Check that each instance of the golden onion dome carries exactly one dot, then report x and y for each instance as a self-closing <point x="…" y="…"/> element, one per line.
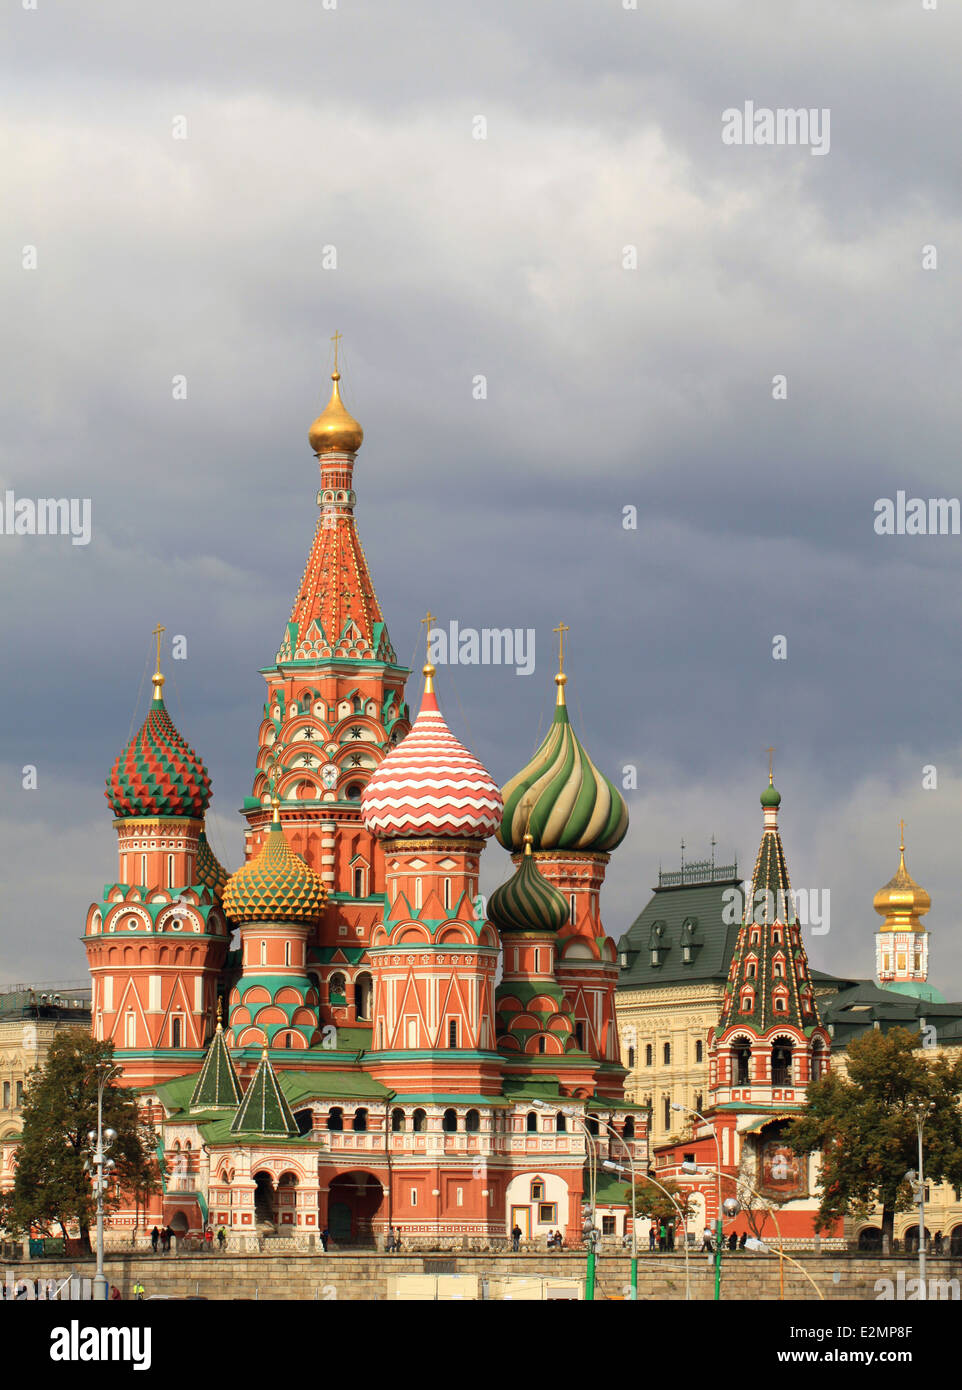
<point x="335" y="431"/>
<point x="902" y="901"/>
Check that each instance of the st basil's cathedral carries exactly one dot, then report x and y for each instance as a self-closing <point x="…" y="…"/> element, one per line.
<point x="321" y="1039"/>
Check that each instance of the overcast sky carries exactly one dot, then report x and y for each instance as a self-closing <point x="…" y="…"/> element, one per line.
<point x="354" y="128"/>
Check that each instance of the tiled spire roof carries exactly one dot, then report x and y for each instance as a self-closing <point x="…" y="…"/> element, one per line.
<point x="769" y="981"/>
<point x="264" y="1109"/>
<point x="208" y="869"/>
<point x="217" y="1085"/>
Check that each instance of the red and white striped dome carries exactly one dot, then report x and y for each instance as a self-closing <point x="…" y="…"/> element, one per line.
<point x="431" y="785"/>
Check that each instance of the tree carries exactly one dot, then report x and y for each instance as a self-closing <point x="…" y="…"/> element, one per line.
<point x="651" y="1201"/>
<point x="865" y="1126"/>
<point x="52" y="1181"/>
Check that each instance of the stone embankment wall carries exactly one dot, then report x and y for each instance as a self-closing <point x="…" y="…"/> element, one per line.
<point x="347" y="1275"/>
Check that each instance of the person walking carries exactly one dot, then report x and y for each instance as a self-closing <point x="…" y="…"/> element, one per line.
<point x="325" y="1237"/>
<point x="114" y="1293"/>
<point x="139" y="1291"/>
<point x="652" y="1236"/>
<point x="662" y="1237"/>
<point x="671" y="1235"/>
<point x="516" y="1234"/>
<point x="733" y="1242"/>
<point x="389" y="1245"/>
<point x="706" y="1241"/>
<point x="154" y="1238"/>
<point x="209" y="1239"/>
<point x="221" y="1238"/>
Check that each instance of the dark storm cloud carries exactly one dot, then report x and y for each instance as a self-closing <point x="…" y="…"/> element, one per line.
<point x="607" y="388"/>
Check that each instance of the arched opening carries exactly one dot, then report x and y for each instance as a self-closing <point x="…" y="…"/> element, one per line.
<point x="782" y="1062"/>
<point x="338" y="990"/>
<point x="561" y="1123"/>
<point x="818" y="1059"/>
<point x="592" y="1124"/>
<point x="699" y="1050"/>
<point x="955" y="1240"/>
<point x="304" y="1119"/>
<point x="629" y="1128"/>
<point x="912" y="1240"/>
<point x="870" y="1238"/>
<point x="335" y="1119"/>
<point x="264" y="1200"/>
<point x="360" y="1121"/>
<point x="472" y="1121"/>
<point x="420" y="1122"/>
<point x="286" y="1209"/>
<point x="449" y="1122"/>
<point x="363" y="992"/>
<point x="531" y="1122"/>
<point x="741" y="1062"/>
<point x="353" y="1203"/>
<point x="397" y="1120"/>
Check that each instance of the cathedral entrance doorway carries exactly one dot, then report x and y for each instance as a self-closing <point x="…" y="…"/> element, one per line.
<point x="353" y="1202"/>
<point x="265" y="1198"/>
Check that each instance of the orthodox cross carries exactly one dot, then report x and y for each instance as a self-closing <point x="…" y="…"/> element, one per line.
<point x="561" y="629"/>
<point x="771" y="763"/>
<point x="158" y="632"/>
<point x="428" y="622"/>
<point x="335" y="340"/>
<point x="902" y="835"/>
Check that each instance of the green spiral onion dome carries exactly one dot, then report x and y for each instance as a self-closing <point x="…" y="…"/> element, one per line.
<point x="208" y="869"/>
<point x="527" y="902"/>
<point x="275" y="886"/>
<point x="158" y="774"/>
<point x="561" y="797"/>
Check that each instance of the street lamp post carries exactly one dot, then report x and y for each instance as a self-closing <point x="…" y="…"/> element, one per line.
<point x="593" y="1173"/>
<point x="101" y="1166"/>
<point x="917" y="1181"/>
<point x="618" y="1167"/>
<point x="718" y="1197"/>
<point x="634" y="1224"/>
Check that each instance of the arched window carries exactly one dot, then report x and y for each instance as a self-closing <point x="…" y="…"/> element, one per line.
<point x="397" y="1120"/>
<point x="782" y="1062"/>
<point x="667" y="1114"/>
<point x="420" y="1121"/>
<point x="580" y="1035"/>
<point x="666" y="1051"/>
<point x="288" y="1041"/>
<point x="531" y="1122"/>
<point x="628" y="1131"/>
<point x="818" y="1059"/>
<point x="360" y="1121"/>
<point x="592" y="1125"/>
<point x="170" y="871"/>
<point x="699" y="1099"/>
<point x="6" y="1095"/>
<point x="649" y="1055"/>
<point x="472" y="1121"/>
<point x="359" y="883"/>
<point x="447" y="893"/>
<point x="335" y="1119"/>
<point x="287" y="953"/>
<point x="363" y="989"/>
<point x="631" y="1057"/>
<point x="542" y="1044"/>
<point x="338" y="989"/>
<point x="537" y="1190"/>
<point x="699" y="1050"/>
<point x="751" y="970"/>
<point x="417" y="893"/>
<point x="561" y="1122"/>
<point x="449" y="1121"/>
<point x="747" y="1001"/>
<point x="130" y="1029"/>
<point x="263" y="953"/>
<point x="741" y="1057"/>
<point x="175" y="1032"/>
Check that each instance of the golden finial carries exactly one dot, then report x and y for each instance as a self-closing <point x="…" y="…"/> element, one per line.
<point x="220" y="1014"/>
<point x="265" y="1055"/>
<point x="528" y="842"/>
<point x="902" y="842"/>
<point x="561" y="680"/>
<point x="158" y="677"/>
<point x="427" y="669"/>
<point x="335" y="430"/>
<point x="771" y="766"/>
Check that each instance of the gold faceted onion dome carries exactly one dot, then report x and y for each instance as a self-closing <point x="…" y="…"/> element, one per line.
<point x="902" y="901"/>
<point x="335" y="431"/>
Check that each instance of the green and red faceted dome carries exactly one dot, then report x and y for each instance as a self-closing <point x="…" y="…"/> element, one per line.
<point x="158" y="773"/>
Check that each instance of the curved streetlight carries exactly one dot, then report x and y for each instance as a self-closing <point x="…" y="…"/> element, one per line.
<point x="718" y="1203"/>
<point x="101" y="1165"/>
<point x="575" y="1115"/>
<point x="916" y="1180"/>
<point x="654" y="1181"/>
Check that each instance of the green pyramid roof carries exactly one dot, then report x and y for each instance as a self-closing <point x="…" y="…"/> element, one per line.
<point x="264" y="1110"/>
<point x="217" y="1085"/>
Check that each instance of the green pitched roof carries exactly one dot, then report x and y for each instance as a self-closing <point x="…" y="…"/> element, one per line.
<point x="264" y="1109"/>
<point x="704" y="917"/>
<point x="217" y="1085"/>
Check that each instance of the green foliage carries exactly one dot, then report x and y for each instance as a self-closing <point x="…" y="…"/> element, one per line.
<point x="651" y="1202"/>
<point x="865" y="1125"/>
<point x="52" y="1184"/>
